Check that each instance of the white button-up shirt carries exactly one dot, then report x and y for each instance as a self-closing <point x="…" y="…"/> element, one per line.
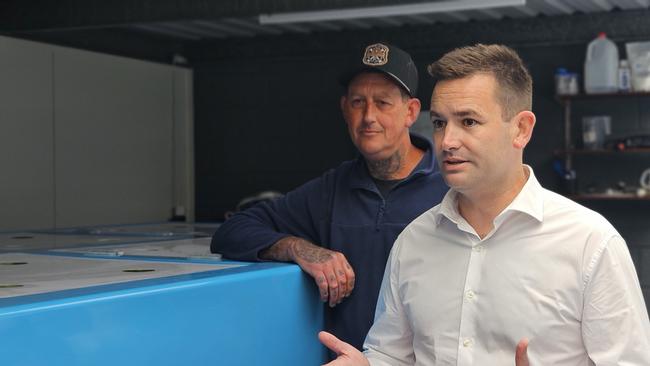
<point x="551" y="270"/>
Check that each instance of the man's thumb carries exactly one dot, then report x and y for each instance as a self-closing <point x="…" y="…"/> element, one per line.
<point x="331" y="342"/>
<point x="521" y="354"/>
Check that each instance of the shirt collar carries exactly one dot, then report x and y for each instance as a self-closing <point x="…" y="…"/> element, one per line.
<point x="360" y="177"/>
<point x="530" y="201"/>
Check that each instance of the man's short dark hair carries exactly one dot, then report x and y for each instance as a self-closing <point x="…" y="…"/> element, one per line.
<point x="516" y="85"/>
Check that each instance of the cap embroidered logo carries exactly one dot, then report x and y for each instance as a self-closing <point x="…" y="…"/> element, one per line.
<point x="376" y="55"/>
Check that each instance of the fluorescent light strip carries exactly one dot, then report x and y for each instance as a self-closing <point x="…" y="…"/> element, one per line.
<point x="382" y="11"/>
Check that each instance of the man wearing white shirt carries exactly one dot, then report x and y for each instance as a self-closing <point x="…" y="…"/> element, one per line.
<point x="501" y="258"/>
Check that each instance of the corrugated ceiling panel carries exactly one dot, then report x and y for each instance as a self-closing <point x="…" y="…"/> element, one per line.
<point x="359" y="23"/>
<point x="631" y="4"/>
<point x="418" y="19"/>
<point x="550" y="7"/>
<point x="519" y="12"/>
<point x="590" y="6"/>
<point x="446" y="17"/>
<point x="221" y="28"/>
<point x="328" y="26"/>
<point x="163" y="31"/>
<point x="191" y="30"/>
<point x="484" y="14"/>
<point x="292" y="27"/>
<point x="457" y="16"/>
<point x="250" y="24"/>
<point x="248" y="27"/>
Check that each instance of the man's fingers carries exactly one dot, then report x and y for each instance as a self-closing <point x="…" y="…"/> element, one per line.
<point x="349" y="275"/>
<point x="345" y="276"/>
<point x="328" y="287"/>
<point x="334" y="289"/>
<point x="323" y="287"/>
<point x="334" y="276"/>
<point x="343" y="284"/>
<point x="521" y="354"/>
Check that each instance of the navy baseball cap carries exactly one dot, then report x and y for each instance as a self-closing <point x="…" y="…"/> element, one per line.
<point x="389" y="60"/>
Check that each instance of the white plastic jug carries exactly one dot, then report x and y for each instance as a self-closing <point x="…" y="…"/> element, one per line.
<point x="601" y="66"/>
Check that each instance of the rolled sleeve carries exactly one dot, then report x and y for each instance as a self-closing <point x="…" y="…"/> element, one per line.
<point x="615" y="325"/>
<point x="247" y="233"/>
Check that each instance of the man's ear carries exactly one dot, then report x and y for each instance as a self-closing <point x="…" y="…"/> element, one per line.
<point x="523" y="124"/>
<point x="414" y="106"/>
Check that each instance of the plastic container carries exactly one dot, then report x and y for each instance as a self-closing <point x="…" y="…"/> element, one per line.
<point x="566" y="82"/>
<point x="601" y="66"/>
<point x="624" y="77"/>
<point x="638" y="53"/>
<point x="595" y="130"/>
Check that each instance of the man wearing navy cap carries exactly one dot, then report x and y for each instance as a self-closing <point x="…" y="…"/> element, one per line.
<point x="340" y="227"/>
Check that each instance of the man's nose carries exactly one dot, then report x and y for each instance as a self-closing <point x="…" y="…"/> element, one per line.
<point x="369" y="113"/>
<point x="450" y="137"/>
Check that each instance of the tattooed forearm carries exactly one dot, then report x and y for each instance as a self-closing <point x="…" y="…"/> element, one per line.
<point x="291" y="248"/>
<point x="312" y="253"/>
<point x="280" y="251"/>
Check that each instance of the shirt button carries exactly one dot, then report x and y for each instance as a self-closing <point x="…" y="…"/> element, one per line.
<point x="467" y="342"/>
<point x="470" y="294"/>
<point x="478" y="248"/>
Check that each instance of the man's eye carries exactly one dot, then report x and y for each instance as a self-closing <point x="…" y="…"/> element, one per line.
<point x="438" y="124"/>
<point x="469" y="122"/>
<point x="355" y="102"/>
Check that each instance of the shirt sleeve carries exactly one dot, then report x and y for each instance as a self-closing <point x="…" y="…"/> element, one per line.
<point x="615" y="326"/>
<point x="390" y="339"/>
<point x="247" y="233"/>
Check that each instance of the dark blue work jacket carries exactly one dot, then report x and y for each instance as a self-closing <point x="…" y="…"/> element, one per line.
<point x="342" y="210"/>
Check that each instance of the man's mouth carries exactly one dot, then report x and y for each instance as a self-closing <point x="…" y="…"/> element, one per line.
<point x="454" y="161"/>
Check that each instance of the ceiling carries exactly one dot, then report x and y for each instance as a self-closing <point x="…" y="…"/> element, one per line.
<point x="190" y="32"/>
<point x="379" y="17"/>
<point x="196" y="20"/>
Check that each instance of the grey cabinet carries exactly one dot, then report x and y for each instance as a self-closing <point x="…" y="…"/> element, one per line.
<point x="88" y="138"/>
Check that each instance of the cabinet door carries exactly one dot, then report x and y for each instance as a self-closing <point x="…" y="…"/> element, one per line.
<point x="114" y="138"/>
<point x="26" y="130"/>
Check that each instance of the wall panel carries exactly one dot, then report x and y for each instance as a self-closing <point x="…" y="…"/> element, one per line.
<point x="26" y="130"/>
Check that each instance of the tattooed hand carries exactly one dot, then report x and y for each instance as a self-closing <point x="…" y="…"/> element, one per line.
<point x="331" y="271"/>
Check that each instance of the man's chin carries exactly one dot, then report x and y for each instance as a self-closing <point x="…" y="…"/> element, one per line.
<point x="375" y="156"/>
<point x="453" y="180"/>
<point x="373" y="152"/>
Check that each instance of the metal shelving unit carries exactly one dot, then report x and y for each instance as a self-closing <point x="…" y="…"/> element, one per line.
<point x="569" y="150"/>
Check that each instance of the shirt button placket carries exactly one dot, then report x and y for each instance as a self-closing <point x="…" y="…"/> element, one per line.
<point x="469" y="295"/>
<point x="380" y="216"/>
<point x="467" y="351"/>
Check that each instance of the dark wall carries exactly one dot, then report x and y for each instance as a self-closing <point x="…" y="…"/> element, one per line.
<point x="267" y="114"/>
<point x="265" y="125"/>
<point x="272" y="124"/>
